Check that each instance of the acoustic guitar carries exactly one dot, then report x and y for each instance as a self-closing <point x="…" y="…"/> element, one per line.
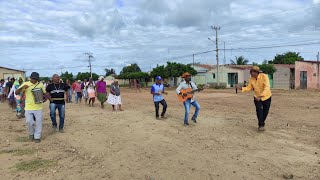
<point x="188" y="93"/>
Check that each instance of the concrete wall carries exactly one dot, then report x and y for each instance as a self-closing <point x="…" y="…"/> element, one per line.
<point x="5" y="73"/>
<point x="281" y="78"/>
<point x="312" y="77"/>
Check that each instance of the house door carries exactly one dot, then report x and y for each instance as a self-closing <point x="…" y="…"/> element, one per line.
<point x="232" y="79"/>
<point x="292" y="78"/>
<point x="303" y="80"/>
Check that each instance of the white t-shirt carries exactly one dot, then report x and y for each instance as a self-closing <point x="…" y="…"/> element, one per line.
<point x="12" y="90"/>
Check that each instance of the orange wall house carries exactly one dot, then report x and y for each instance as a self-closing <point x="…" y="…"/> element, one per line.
<point x="307" y="75"/>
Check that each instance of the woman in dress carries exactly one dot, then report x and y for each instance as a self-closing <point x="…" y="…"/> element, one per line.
<point x="114" y="97"/>
<point x="19" y="98"/>
<point x="84" y="90"/>
<point x="101" y="91"/>
<point x="91" y="88"/>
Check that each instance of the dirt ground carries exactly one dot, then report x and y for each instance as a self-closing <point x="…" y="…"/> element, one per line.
<point x="224" y="144"/>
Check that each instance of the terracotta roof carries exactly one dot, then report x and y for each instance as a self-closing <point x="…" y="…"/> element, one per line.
<point x="284" y="65"/>
<point x="12" y="69"/>
<point x="308" y="61"/>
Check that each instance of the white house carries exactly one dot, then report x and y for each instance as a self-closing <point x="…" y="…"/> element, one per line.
<point x="228" y="74"/>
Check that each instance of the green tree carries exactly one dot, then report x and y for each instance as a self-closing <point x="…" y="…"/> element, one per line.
<point x="110" y="72"/>
<point x="138" y="75"/>
<point x="287" y="58"/>
<point x="46" y="79"/>
<point x="130" y="69"/>
<point x="160" y="71"/>
<point x="267" y="68"/>
<point x="86" y="75"/>
<point x="67" y="75"/>
<point x="240" y="61"/>
<point x="177" y="69"/>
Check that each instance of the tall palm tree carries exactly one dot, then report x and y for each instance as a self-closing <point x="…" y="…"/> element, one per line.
<point x="240" y="61"/>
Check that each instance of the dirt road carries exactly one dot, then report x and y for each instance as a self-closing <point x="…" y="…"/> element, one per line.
<point x="224" y="144"/>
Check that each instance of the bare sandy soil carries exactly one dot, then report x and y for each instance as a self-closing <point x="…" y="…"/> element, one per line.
<point x="224" y="144"/>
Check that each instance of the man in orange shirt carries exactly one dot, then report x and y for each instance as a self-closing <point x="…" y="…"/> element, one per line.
<point x="259" y="83"/>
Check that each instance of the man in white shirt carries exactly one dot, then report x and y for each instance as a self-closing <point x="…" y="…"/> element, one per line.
<point x="187" y="84"/>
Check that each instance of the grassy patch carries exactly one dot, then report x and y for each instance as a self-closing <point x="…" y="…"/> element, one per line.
<point x="22" y="139"/>
<point x="18" y="152"/>
<point x="34" y="165"/>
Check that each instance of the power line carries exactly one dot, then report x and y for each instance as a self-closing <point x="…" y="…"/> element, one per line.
<point x="275" y="46"/>
<point x="247" y="48"/>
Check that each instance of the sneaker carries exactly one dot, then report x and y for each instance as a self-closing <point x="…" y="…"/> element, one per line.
<point x="37" y="141"/>
<point x="194" y="120"/>
<point x="54" y="128"/>
<point x="261" y="128"/>
<point x="31" y="137"/>
<point x="186" y="124"/>
<point x="61" y="131"/>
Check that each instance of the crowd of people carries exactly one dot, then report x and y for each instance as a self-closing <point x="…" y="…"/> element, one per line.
<point x="23" y="97"/>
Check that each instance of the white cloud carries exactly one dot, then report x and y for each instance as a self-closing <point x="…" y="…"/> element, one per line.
<point x="45" y="34"/>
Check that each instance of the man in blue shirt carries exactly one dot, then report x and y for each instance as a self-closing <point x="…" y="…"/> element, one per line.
<point x="157" y="90"/>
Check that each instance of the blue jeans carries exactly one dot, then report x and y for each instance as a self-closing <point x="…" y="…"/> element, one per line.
<point x="61" y="110"/>
<point x="76" y="98"/>
<point x="70" y="95"/>
<point x="187" y="104"/>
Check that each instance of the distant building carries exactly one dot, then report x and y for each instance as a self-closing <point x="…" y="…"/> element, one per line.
<point x="284" y="77"/>
<point x="229" y="75"/>
<point x="9" y="72"/>
<point x="307" y="75"/>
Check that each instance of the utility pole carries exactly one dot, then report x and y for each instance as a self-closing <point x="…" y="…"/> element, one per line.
<point x="318" y="73"/>
<point x="61" y="67"/>
<point x="90" y="56"/>
<point x="217" y="51"/>
<point x="193" y="60"/>
<point x="224" y="59"/>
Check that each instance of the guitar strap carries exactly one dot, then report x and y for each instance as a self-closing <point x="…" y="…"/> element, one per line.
<point x="191" y="85"/>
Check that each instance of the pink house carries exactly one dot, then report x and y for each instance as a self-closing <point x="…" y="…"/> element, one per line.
<point x="307" y="75"/>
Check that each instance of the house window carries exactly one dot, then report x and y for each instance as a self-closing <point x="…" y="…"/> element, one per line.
<point x="214" y="75"/>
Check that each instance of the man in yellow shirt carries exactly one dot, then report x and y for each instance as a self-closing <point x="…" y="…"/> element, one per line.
<point x="259" y="83"/>
<point x="33" y="110"/>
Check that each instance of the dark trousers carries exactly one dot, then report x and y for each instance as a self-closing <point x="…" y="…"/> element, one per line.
<point x="164" y="109"/>
<point x="262" y="109"/>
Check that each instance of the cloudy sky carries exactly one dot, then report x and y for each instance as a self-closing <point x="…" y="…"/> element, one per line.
<point x="50" y="36"/>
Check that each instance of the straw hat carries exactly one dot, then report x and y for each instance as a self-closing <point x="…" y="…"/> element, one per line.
<point x="185" y="74"/>
<point x="255" y="69"/>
